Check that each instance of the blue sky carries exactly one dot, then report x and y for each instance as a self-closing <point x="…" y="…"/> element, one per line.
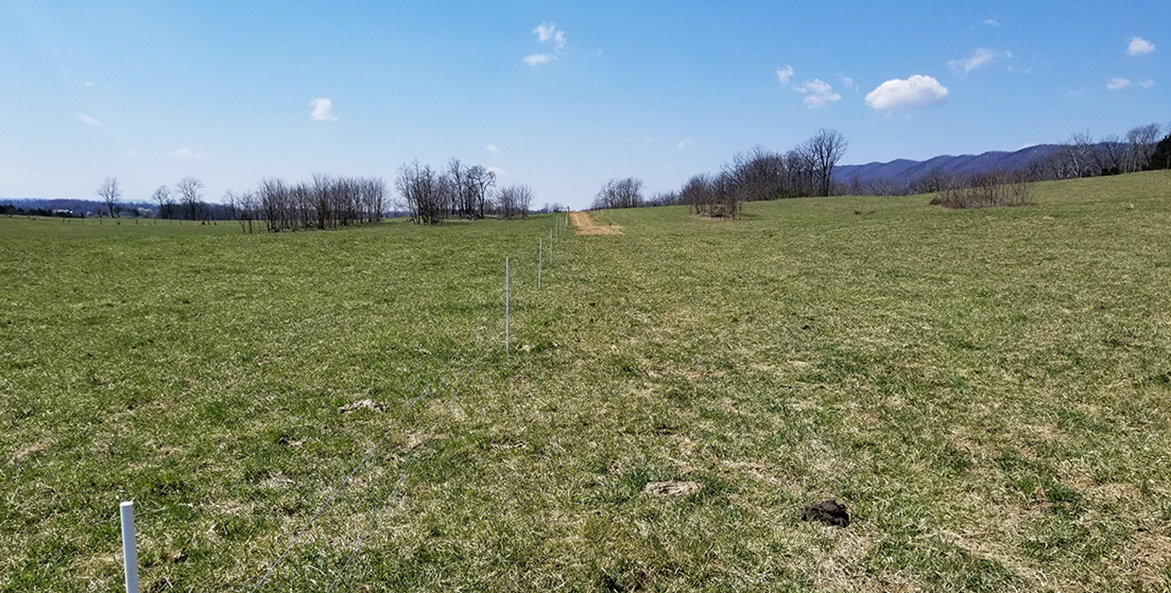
<point x="560" y="96"/>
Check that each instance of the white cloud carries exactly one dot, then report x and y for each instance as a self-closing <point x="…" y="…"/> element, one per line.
<point x="847" y="82"/>
<point x="818" y="93"/>
<point x="538" y="59"/>
<point x="89" y="120"/>
<point x="992" y="23"/>
<point x="492" y="148"/>
<point x="684" y="143"/>
<point x="322" y="110"/>
<point x="1117" y="84"/>
<point x="497" y="171"/>
<point x="913" y="93"/>
<point x="1146" y="84"/>
<point x="979" y="58"/>
<point x="548" y="32"/>
<point x="1140" y="47"/>
<point x="185" y="154"/>
<point x="1077" y="93"/>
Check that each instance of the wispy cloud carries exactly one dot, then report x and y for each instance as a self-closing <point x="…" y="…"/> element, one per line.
<point x="784" y="74"/>
<point x="1146" y="84"/>
<point x="492" y="148"/>
<point x="1117" y="84"/>
<point x="992" y="23"/>
<point x="1140" y="47"/>
<point x="89" y="120"/>
<point x="684" y="143"/>
<point x="186" y="154"/>
<point x="915" y="92"/>
<point x="818" y="93"/>
<point x="1077" y="93"/>
<point x="322" y="110"/>
<point x="978" y="59"/>
<point x="548" y="32"/>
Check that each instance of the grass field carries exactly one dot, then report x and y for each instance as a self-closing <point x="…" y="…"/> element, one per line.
<point x="987" y="391"/>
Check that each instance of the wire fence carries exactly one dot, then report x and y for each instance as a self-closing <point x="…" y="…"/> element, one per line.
<point x="545" y="259"/>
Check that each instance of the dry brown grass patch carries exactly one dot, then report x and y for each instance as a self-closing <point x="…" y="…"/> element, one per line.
<point x="1151" y="556"/>
<point x="586" y="225"/>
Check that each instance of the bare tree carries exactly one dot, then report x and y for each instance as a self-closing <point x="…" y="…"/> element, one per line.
<point x="189" y="193"/>
<point x="514" y="201"/>
<point x="800" y="167"/>
<point x="759" y="175"/>
<point x="1078" y="154"/>
<point x="421" y="189"/>
<point x="232" y="204"/>
<point x="620" y="193"/>
<point x="662" y="198"/>
<point x="1110" y="155"/>
<point x="714" y="196"/>
<point x="373" y="198"/>
<point x="824" y="151"/>
<point x="273" y="198"/>
<point x="110" y="193"/>
<point x="162" y="197"/>
<point x="244" y="206"/>
<point x="1141" y="143"/>
<point x="455" y="182"/>
<point x="480" y="182"/>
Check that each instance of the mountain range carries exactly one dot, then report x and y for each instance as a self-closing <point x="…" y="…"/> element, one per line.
<point x="901" y="171"/>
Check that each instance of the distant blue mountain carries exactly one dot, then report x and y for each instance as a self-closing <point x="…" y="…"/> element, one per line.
<point x="902" y="171"/>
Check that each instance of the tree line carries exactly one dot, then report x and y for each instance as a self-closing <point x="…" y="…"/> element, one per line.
<point x="1082" y="156"/>
<point x="428" y="196"/>
<point x="458" y="191"/>
<point x="756" y="175"/>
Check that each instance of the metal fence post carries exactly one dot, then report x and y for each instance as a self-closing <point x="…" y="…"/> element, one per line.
<point x="506" y="306"/>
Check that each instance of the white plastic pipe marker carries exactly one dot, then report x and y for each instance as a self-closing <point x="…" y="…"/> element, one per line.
<point x="129" y="554"/>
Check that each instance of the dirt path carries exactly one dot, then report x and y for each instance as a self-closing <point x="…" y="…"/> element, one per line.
<point x="586" y="225"/>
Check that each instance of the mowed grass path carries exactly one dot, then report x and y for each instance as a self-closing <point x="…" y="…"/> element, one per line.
<point x="986" y="391"/>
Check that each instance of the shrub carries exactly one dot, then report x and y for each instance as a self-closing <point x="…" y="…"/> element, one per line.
<point x="984" y="190"/>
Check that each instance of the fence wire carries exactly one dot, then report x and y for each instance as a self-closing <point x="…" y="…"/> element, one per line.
<point x="561" y="227"/>
<point x="386" y="434"/>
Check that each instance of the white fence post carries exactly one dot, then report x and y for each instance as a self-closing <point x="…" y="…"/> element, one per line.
<point x="506" y="304"/>
<point x="129" y="553"/>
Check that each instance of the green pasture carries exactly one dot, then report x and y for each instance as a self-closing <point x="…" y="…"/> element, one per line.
<point x="987" y="391"/>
